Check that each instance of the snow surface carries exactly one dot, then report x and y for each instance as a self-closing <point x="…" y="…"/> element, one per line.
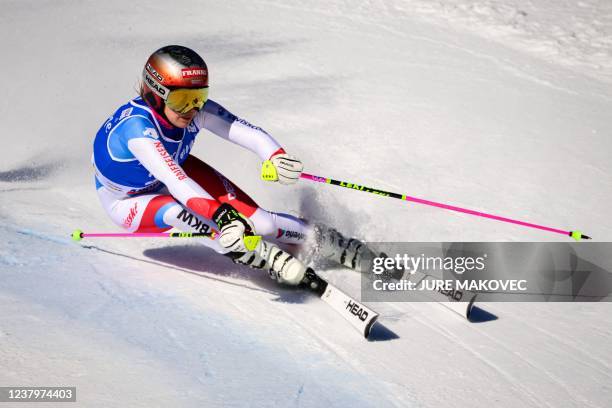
<point x="499" y="106"/>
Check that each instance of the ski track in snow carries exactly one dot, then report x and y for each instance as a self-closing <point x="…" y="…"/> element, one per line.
<point x="481" y="103"/>
<point x="579" y="355"/>
<point x="511" y="380"/>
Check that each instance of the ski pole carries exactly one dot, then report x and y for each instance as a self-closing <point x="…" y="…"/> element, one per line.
<point x="250" y="241"/>
<point x="577" y="235"/>
<point x="78" y="235"/>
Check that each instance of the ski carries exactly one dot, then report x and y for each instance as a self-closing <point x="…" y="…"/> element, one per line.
<point x="356" y="313"/>
<point x="458" y="301"/>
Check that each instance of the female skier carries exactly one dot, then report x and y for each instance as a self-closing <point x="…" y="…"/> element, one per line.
<point x="148" y="182"/>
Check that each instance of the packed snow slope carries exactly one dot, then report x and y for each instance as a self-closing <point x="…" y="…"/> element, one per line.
<point x="497" y="106"/>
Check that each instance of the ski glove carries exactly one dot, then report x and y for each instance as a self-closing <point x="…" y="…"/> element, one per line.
<point x="233" y="228"/>
<point x="283" y="168"/>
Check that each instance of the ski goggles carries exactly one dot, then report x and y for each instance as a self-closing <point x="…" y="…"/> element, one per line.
<point x="183" y="100"/>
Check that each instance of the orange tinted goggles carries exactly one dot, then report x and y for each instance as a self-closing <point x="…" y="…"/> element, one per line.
<point x="184" y="99"/>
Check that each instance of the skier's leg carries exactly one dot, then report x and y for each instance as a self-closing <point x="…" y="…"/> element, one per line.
<point x="161" y="212"/>
<point x="284" y="228"/>
<point x="282" y="266"/>
<point x="321" y="241"/>
<point x="155" y="213"/>
<point x="218" y="186"/>
<point x="349" y="252"/>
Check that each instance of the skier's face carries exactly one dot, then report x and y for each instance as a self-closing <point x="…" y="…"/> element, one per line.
<point x="180" y="120"/>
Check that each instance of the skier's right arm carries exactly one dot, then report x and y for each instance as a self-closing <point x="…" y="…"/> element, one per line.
<point x="152" y="154"/>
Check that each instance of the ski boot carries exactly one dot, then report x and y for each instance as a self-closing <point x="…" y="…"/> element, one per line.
<point x="281" y="266"/>
<point x="349" y="252"/>
<point x="392" y="273"/>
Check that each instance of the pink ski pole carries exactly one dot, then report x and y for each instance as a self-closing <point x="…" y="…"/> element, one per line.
<point x="78" y="235"/>
<point x="250" y="241"/>
<point x="577" y="235"/>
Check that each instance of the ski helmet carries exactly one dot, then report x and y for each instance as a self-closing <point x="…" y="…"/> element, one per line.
<point x="175" y="76"/>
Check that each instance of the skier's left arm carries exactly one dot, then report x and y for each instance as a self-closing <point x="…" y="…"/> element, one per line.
<point x="278" y="165"/>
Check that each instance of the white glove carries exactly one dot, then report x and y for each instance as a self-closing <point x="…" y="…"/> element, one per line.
<point x="286" y="169"/>
<point x="232" y="236"/>
<point x="233" y="228"/>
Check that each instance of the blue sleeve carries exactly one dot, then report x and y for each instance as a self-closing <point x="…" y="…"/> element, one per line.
<point x="130" y="128"/>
